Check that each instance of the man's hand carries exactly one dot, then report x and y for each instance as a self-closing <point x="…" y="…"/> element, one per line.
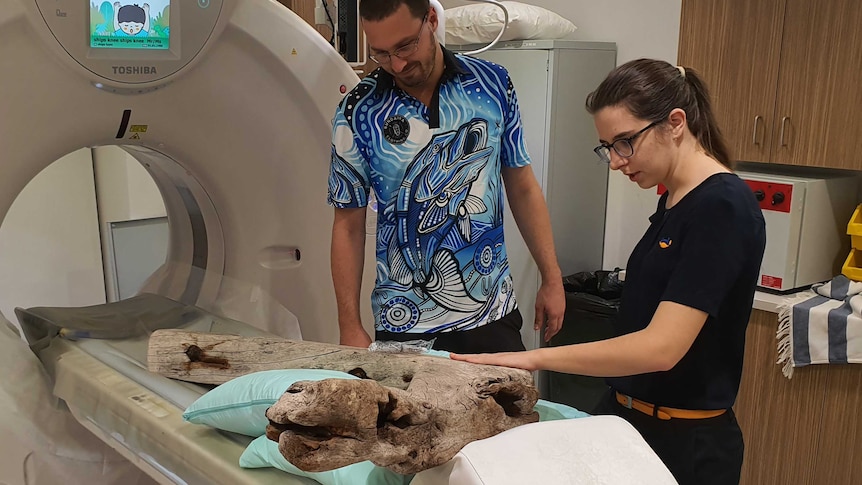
<point x="550" y="308"/>
<point x="347" y="257"/>
<point x="355" y="338"/>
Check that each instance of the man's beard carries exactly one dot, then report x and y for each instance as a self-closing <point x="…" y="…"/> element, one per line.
<point x="419" y="73"/>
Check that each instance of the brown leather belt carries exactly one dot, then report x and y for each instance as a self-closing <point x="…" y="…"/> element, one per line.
<point x="665" y="413"/>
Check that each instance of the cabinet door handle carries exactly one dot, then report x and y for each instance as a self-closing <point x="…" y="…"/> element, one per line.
<point x="754" y="134"/>
<point x="781" y="135"/>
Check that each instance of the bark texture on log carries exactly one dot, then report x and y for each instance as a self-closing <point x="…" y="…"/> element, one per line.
<point x="409" y="412"/>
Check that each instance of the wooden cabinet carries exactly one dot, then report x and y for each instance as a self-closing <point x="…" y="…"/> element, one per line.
<point x="305" y="9"/>
<point x="839" y="450"/>
<point x="784" y="76"/>
<point x="804" y="431"/>
<point x="738" y="58"/>
<point x="777" y="416"/>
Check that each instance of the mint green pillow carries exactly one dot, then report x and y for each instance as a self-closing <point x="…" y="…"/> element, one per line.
<point x="551" y="411"/>
<point x="263" y="453"/>
<point x="239" y="405"/>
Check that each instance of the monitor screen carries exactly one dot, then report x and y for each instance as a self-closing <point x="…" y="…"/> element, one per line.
<point x="130" y="24"/>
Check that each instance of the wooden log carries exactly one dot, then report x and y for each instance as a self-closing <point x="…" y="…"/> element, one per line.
<point x="409" y="412"/>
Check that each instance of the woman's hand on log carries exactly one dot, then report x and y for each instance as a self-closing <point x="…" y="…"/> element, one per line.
<point x="518" y="360"/>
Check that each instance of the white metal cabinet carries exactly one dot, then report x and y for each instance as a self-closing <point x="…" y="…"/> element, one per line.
<point x="552" y="79"/>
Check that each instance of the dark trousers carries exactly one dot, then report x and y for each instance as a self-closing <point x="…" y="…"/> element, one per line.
<point x="503" y="335"/>
<point x="696" y="451"/>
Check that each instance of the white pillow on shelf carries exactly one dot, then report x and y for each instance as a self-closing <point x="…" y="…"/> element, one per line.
<point x="480" y="23"/>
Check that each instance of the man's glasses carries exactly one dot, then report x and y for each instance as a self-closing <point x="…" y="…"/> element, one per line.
<point x="623" y="146"/>
<point x="402" y="52"/>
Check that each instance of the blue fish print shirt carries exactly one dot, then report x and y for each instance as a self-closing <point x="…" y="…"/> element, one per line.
<point x="436" y="174"/>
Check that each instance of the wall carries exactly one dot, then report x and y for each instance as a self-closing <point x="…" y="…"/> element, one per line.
<point x="49" y="240"/>
<point x="125" y="192"/>
<point x="640" y="28"/>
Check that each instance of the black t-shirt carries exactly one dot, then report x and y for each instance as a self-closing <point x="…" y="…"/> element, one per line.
<point x="704" y="253"/>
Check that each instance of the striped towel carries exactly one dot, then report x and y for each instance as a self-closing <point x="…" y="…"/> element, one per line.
<point x="821" y="326"/>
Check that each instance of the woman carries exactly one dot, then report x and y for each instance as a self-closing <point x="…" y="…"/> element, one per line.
<point x="675" y="367"/>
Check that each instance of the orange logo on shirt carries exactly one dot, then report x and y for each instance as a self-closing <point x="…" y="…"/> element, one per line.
<point x="665" y="243"/>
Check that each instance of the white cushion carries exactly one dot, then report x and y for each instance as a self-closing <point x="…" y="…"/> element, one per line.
<point x="598" y="450"/>
<point x="481" y="22"/>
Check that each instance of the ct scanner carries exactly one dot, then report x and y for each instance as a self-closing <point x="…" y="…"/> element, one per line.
<point x="230" y="117"/>
<point x="237" y="117"/>
<point x="229" y="112"/>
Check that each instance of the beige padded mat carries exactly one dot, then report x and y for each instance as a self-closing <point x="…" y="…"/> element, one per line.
<point x="148" y="429"/>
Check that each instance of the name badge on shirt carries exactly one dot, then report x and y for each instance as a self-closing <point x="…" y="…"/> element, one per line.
<point x="396" y="129"/>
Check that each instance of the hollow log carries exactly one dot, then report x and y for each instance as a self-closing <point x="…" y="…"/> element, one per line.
<point x="408" y="412"/>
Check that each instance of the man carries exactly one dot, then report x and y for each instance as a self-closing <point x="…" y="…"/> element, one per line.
<point x="434" y="133"/>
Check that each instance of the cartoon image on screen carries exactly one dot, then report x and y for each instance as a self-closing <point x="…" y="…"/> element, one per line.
<point x="130" y="24"/>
